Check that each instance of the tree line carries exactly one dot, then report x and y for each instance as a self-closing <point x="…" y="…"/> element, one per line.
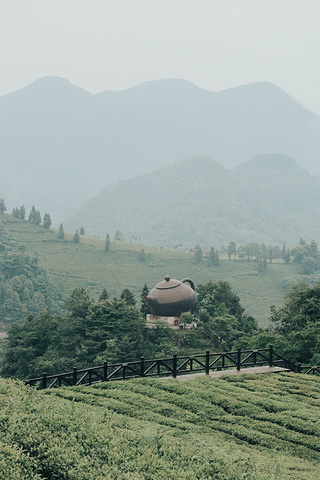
<point x="91" y="331"/>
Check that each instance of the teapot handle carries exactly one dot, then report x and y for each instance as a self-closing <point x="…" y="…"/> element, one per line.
<point x="189" y="281"/>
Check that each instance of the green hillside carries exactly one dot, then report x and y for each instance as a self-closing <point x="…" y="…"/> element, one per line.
<point x="69" y="265"/>
<point x="269" y="199"/>
<point x="258" y="427"/>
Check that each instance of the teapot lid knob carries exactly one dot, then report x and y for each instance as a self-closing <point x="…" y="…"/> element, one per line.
<point x="167" y="278"/>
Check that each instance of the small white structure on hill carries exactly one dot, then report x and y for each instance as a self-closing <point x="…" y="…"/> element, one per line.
<point x="173" y="322"/>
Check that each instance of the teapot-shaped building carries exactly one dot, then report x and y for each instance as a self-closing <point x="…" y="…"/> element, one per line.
<point x="171" y="297"/>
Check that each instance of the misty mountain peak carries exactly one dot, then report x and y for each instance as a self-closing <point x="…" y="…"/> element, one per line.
<point x="274" y="164"/>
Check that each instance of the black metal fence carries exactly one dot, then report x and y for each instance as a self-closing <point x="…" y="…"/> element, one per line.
<point x="171" y="366"/>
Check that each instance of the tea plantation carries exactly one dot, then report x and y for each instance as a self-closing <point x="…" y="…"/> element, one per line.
<point x="235" y="427"/>
<point x="86" y="264"/>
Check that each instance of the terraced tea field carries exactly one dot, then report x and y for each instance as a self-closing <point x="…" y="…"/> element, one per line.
<point x="259" y="427"/>
<point x="86" y="264"/>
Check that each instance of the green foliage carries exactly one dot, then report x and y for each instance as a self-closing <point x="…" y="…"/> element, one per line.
<point x="213" y="258"/>
<point x="221" y="317"/>
<point x="3" y="207"/>
<point x="144" y="307"/>
<point x="76" y="237"/>
<point x="118" y="236"/>
<point x="296" y="326"/>
<point x="22" y="212"/>
<point x="198" y="255"/>
<point x="15" y="212"/>
<point x="257" y="427"/>
<point x="19" y="212"/>
<point x="61" y="232"/>
<point x="307" y="257"/>
<point x="89" y="333"/>
<point x="107" y="244"/>
<point x="232" y="249"/>
<point x="142" y="256"/>
<point x="81" y="231"/>
<point x="185" y="318"/>
<point x="78" y="303"/>
<point x="104" y="294"/>
<point x="29" y="346"/>
<point x="46" y="220"/>
<point x="34" y="216"/>
<point x="24" y="286"/>
<point x="128" y="297"/>
<point x="301" y="307"/>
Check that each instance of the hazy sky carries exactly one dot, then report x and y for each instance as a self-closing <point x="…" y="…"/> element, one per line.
<point x="115" y="44"/>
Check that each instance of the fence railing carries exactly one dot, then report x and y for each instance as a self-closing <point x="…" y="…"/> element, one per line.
<point x="171" y="366"/>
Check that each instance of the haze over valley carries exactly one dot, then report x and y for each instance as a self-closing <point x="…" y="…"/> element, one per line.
<point x="61" y="145"/>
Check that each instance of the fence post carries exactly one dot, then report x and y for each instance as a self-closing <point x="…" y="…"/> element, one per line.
<point x="207" y="362"/>
<point x="142" y="367"/>
<point x="44" y="381"/>
<point x="299" y="368"/>
<point x="105" y="371"/>
<point x="75" y="375"/>
<point x="239" y="359"/>
<point x="174" y="366"/>
<point x="271" y="356"/>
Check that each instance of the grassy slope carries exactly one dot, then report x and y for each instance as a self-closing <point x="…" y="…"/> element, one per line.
<point x="87" y="265"/>
<point x="261" y="427"/>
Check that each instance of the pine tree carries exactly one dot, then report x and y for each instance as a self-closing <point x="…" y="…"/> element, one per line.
<point x="81" y="231"/>
<point x="15" y="212"/>
<point x="104" y="295"/>
<point x="232" y="249"/>
<point x="22" y="212"/>
<point x="32" y="215"/>
<point x="198" y="256"/>
<point x="61" y="232"/>
<point x="3" y="207"/>
<point x="144" y="307"/>
<point x="142" y="256"/>
<point x="128" y="297"/>
<point x="37" y="218"/>
<point x="76" y="237"/>
<point x="213" y="258"/>
<point x="108" y="243"/>
<point x="47" y="220"/>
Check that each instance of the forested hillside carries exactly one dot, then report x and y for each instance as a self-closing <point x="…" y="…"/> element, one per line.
<point x="25" y="288"/>
<point x="269" y="199"/>
<point x="87" y="264"/>
<point x="75" y="143"/>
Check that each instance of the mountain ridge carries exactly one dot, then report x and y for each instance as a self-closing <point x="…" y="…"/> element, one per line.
<point x="84" y="142"/>
<point x="200" y="201"/>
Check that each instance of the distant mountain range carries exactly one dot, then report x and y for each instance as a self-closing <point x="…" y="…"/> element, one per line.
<point x="269" y="199"/>
<point x="60" y="145"/>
